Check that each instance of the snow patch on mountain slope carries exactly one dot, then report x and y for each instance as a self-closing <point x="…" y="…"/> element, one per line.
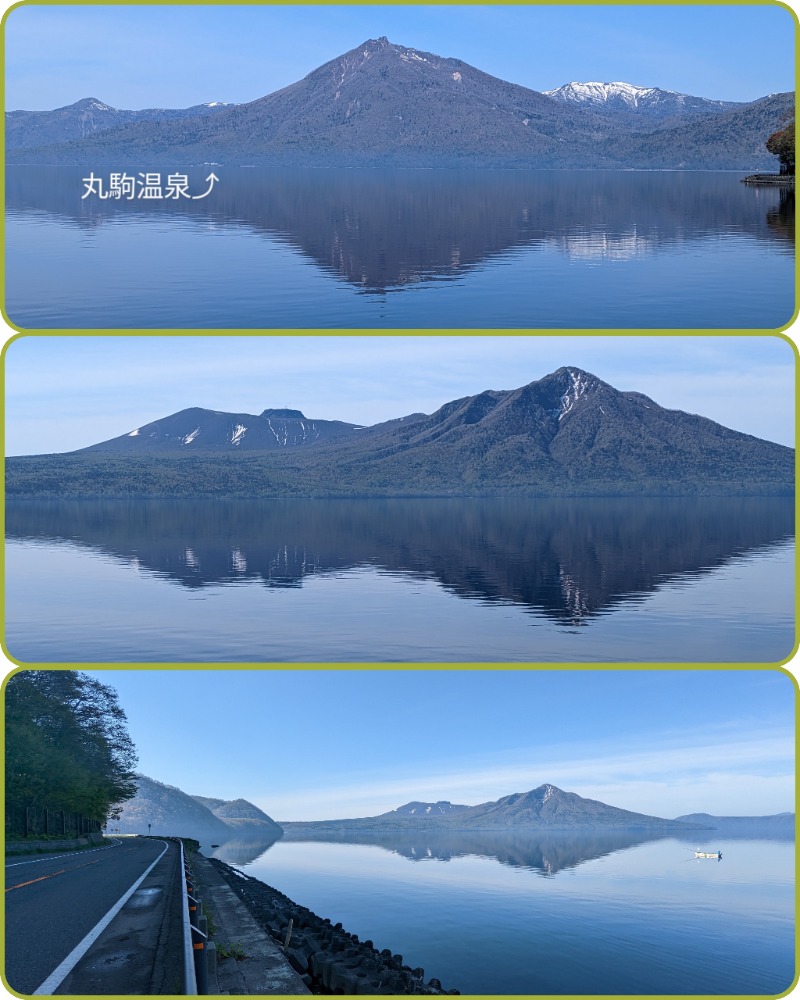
<point x="594" y="92"/>
<point x="581" y="384"/>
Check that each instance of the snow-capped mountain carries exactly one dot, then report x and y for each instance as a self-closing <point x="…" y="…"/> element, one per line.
<point x="650" y="103"/>
<point x="213" y="430"/>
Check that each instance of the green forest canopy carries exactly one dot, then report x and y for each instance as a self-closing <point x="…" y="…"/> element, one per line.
<point x="67" y="746"/>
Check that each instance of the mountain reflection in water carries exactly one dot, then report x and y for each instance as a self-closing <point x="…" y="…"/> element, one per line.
<point x="555" y="914"/>
<point x="543" y="853"/>
<point x="570" y="559"/>
<point x="238" y="850"/>
<point x="546" y="853"/>
<point x="384" y="230"/>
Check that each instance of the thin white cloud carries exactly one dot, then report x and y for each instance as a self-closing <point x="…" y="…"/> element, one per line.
<point x="746" y="776"/>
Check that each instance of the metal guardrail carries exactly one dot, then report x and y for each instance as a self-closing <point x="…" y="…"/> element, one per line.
<point x="188" y="908"/>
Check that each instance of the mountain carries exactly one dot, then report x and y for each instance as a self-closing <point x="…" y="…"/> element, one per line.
<point x="383" y="103"/>
<point x="25" y="129"/>
<point x="423" y="809"/>
<point x="240" y="814"/>
<point x="211" y="804"/>
<point x="167" y="811"/>
<point x="778" y="825"/>
<point x="549" y="806"/>
<point x="727" y="140"/>
<point x="377" y="103"/>
<point x="545" y="807"/>
<point x="569" y="433"/>
<point x="642" y="107"/>
<point x="212" y="430"/>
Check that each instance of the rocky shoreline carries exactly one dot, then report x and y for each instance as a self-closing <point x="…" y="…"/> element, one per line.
<point x="329" y="959"/>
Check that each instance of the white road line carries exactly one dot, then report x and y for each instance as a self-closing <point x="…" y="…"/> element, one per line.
<point x="55" y="857"/>
<point x="57" y="977"/>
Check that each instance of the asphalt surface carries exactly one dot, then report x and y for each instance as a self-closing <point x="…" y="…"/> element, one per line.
<point x="53" y="902"/>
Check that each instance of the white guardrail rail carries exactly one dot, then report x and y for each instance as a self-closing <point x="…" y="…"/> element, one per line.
<point x="195" y="970"/>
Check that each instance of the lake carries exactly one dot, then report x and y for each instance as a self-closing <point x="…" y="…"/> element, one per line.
<point x="519" y="913"/>
<point x="428" y="580"/>
<point x="399" y="249"/>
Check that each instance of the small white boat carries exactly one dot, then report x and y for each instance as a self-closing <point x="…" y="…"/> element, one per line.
<point x="717" y="855"/>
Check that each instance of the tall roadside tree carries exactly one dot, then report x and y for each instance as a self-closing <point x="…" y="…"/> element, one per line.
<point x="67" y="746"/>
<point x="781" y="144"/>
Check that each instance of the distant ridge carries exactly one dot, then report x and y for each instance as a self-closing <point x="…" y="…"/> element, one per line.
<point x="165" y="810"/>
<point x="240" y="814"/>
<point x="646" y="107"/>
<point x="545" y="807"/>
<point x="423" y="809"/>
<point x="566" y="434"/>
<point x="213" y="430"/>
<point x="777" y="823"/>
<point x="88" y="117"/>
<point x="384" y="103"/>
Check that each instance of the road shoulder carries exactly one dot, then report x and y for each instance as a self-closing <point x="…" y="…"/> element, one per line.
<point x="263" y="968"/>
<point x="141" y="950"/>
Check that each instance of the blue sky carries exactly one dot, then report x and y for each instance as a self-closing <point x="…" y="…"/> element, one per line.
<point x="316" y="744"/>
<point x="67" y="392"/>
<point x="160" y="55"/>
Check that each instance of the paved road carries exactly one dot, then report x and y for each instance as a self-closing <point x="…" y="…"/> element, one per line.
<point x="53" y="902"/>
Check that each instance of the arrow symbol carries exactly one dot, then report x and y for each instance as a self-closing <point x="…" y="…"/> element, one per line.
<point x="212" y="177"/>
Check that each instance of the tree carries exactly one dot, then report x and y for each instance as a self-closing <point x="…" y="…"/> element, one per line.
<point x="66" y="744"/>
<point x="781" y="144"/>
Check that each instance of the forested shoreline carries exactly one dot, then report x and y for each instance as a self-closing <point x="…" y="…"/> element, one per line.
<point x="67" y="746"/>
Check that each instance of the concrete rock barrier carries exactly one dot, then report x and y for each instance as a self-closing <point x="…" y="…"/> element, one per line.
<point x="329" y="958"/>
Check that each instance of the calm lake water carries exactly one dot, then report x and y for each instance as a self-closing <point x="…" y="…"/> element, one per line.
<point x="513" y="913"/>
<point x="443" y="580"/>
<point x="410" y="249"/>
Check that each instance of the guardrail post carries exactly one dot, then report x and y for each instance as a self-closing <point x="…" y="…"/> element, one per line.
<point x="199" y="941"/>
